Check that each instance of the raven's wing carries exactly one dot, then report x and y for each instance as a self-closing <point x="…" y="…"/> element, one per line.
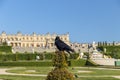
<point x="60" y="44"/>
<point x="63" y="46"/>
<point x="68" y="49"/>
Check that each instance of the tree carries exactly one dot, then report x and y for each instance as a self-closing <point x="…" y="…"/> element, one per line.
<point x="60" y="71"/>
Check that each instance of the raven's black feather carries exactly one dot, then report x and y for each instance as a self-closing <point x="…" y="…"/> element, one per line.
<point x="62" y="46"/>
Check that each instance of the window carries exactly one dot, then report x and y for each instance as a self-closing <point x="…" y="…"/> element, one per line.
<point x="23" y="38"/>
<point x="27" y="38"/>
<point x="38" y="45"/>
<point x="65" y="39"/>
<point x="37" y="38"/>
<point x="16" y="39"/>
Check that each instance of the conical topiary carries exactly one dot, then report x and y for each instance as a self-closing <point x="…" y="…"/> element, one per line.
<point x="60" y="71"/>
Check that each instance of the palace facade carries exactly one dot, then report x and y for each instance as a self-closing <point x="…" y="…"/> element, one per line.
<point x="32" y="40"/>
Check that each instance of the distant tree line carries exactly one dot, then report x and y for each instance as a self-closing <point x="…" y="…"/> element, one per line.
<point x="105" y="43"/>
<point x="112" y="50"/>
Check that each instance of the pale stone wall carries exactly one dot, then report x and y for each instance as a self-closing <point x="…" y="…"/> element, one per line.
<point x="33" y="40"/>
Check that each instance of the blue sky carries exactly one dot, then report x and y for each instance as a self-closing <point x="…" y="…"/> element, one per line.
<point x="85" y="20"/>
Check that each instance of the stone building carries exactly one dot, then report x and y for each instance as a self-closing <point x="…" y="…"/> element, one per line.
<point x="34" y="40"/>
<point x="84" y="47"/>
<point x="80" y="47"/>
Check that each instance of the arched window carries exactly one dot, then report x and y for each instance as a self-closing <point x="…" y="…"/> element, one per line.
<point x="65" y="39"/>
<point x="23" y="38"/>
<point x="41" y="38"/>
<point x="16" y="39"/>
<point x="27" y="38"/>
<point x="12" y="39"/>
<point x="38" y="45"/>
<point x="32" y="45"/>
<point x="27" y="44"/>
<point x="31" y="38"/>
<point x="37" y="38"/>
<point x="11" y="44"/>
<point x="23" y="45"/>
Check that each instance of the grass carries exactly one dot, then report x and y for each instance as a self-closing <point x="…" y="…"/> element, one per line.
<point x="8" y="77"/>
<point x="25" y="70"/>
<point x="97" y="78"/>
<point x="74" y="70"/>
<point x="94" y="74"/>
<point x="95" y="71"/>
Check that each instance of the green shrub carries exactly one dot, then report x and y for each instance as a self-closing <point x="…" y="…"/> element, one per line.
<point x="6" y="49"/>
<point x="60" y="74"/>
<point x="80" y="62"/>
<point x="26" y="63"/>
<point x="74" y="55"/>
<point x="113" y="51"/>
<point x="60" y="71"/>
<point x="48" y="56"/>
<point x="90" y="63"/>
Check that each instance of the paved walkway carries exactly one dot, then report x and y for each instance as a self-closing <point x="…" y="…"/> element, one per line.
<point x="3" y="72"/>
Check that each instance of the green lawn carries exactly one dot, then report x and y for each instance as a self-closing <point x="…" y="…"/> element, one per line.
<point x="8" y="77"/>
<point x="95" y="71"/>
<point x="76" y="70"/>
<point x="91" y="73"/>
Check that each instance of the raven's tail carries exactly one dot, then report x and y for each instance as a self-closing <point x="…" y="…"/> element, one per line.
<point x="71" y="50"/>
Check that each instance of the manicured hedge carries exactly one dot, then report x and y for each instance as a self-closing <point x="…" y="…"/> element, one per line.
<point x="29" y="59"/>
<point x="25" y="56"/>
<point x="26" y="63"/>
<point x="80" y="62"/>
<point x="48" y="56"/>
<point x="90" y="63"/>
<point x="74" y="55"/>
<point x="48" y="63"/>
<point x="40" y="63"/>
<point x="5" y="49"/>
<point x="30" y="56"/>
<point x="4" y="57"/>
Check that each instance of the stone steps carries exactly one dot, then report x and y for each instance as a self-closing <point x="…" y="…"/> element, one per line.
<point x="105" y="62"/>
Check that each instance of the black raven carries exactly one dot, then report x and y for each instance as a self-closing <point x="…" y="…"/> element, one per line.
<point x="62" y="46"/>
